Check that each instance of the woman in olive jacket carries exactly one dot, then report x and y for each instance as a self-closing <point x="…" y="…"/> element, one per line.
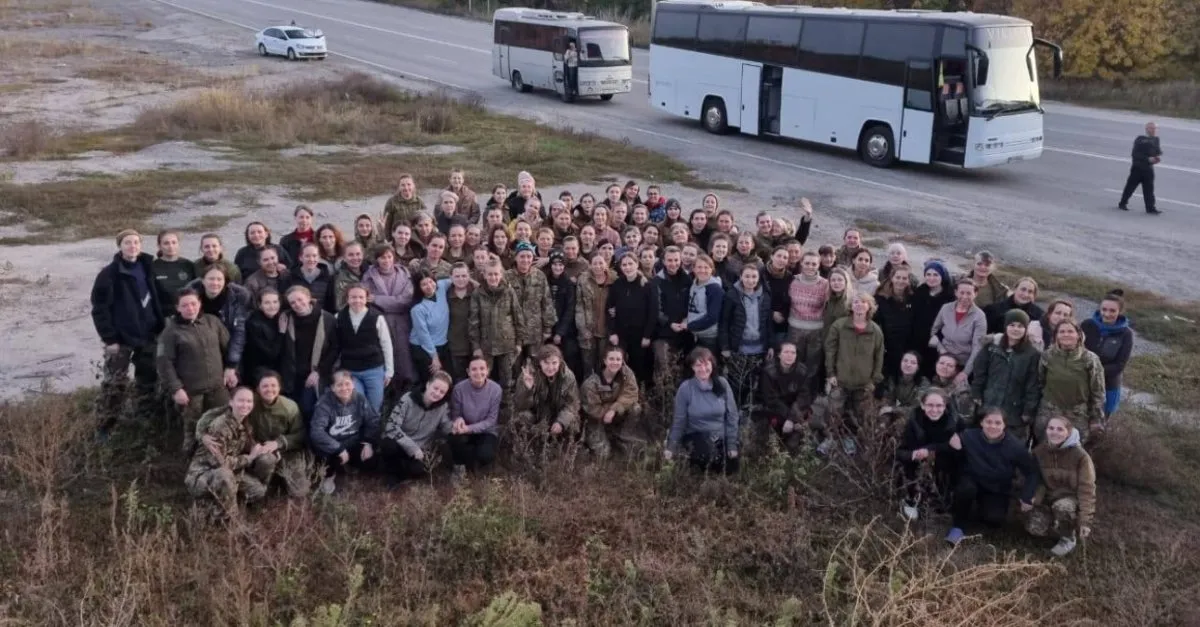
<point x="1065" y="503"/>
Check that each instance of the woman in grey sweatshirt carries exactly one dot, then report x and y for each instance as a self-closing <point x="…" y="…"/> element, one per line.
<point x="705" y="300"/>
<point x="706" y="418"/>
<point x="959" y="328"/>
<point x="415" y="426"/>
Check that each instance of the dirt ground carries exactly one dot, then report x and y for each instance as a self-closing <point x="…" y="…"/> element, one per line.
<point x="43" y="288"/>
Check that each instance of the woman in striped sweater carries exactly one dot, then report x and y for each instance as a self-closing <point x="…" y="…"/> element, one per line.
<point x="808" y="293"/>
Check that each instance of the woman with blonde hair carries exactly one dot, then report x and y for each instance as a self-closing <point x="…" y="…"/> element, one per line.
<point x="1071" y="379"/>
<point x="897" y="255"/>
<point x="1023" y="297"/>
<point x="854" y="366"/>
<point x="1065" y="503"/>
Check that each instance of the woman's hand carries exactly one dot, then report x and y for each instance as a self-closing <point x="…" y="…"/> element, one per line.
<point x="956" y="442"/>
<point x="180" y="397"/>
<point x="614" y="340"/>
<point x="556" y="428"/>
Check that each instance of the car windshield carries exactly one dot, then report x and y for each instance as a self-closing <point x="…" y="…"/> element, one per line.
<point x="1011" y="83"/>
<point x="296" y="33"/>
<point x="604" y="45"/>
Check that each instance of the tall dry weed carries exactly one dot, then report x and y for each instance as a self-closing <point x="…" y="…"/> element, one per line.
<point x="42" y="441"/>
<point x="876" y="576"/>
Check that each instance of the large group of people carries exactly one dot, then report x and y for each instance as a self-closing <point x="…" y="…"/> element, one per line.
<point x="421" y="335"/>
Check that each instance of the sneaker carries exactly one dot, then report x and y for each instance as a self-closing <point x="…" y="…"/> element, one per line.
<point x="824" y="447"/>
<point x="328" y="485"/>
<point x="909" y="511"/>
<point x="955" y="536"/>
<point x="459" y="474"/>
<point x="1154" y="212"/>
<point x="849" y="447"/>
<point x="1065" y="545"/>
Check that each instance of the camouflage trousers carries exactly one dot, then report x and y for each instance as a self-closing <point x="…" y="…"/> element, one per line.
<point x="189" y="414"/>
<point x="293" y="468"/>
<point x="626" y="432"/>
<point x="225" y="486"/>
<point x="1060" y="518"/>
<point x="114" y="383"/>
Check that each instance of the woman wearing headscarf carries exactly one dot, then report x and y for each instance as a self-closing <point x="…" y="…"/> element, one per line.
<point x="1107" y="334"/>
<point x="927" y="301"/>
<point x="1065" y="503"/>
<point x="391" y="290"/>
<point x="1006" y="374"/>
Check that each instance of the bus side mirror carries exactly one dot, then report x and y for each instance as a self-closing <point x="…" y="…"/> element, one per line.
<point x="1056" y="53"/>
<point x="981" y="72"/>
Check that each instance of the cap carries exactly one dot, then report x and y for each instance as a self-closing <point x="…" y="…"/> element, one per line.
<point x="1018" y="316"/>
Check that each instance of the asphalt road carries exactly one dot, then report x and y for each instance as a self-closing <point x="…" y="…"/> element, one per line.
<point x="1058" y="211"/>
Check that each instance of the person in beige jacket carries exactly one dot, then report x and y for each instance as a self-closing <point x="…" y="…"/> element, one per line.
<point x="1065" y="504"/>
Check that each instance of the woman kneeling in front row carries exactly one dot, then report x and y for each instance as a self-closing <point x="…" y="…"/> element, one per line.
<point x="706" y="418"/>
<point x="1066" y="499"/>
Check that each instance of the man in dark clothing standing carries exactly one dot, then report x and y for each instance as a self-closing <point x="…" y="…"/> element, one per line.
<point x="1146" y="153"/>
<point x="127" y="313"/>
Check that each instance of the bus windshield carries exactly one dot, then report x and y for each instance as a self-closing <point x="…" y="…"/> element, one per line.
<point x="604" y="46"/>
<point x="1011" y="82"/>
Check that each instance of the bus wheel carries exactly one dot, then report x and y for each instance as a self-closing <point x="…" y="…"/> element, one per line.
<point x="520" y="85"/>
<point x="606" y="97"/>
<point x="877" y="146"/>
<point x="712" y="115"/>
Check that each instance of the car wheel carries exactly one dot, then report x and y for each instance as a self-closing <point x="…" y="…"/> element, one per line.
<point x="262" y="50"/>
<point x="712" y="116"/>
<point x="606" y="97"/>
<point x="291" y="54"/>
<point x="878" y="146"/>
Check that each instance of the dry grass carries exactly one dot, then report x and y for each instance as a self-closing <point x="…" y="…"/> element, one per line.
<point x="1178" y="98"/>
<point x="144" y="69"/>
<point x="354" y="110"/>
<point x="27" y="47"/>
<point x="27" y="14"/>
<point x="110" y="539"/>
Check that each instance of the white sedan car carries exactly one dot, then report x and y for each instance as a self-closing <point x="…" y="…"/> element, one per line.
<point x="293" y="42"/>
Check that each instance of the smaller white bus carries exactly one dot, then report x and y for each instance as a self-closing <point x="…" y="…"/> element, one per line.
<point x="530" y="50"/>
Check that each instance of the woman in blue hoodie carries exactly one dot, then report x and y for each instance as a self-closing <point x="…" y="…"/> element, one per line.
<point x="705" y="300"/>
<point x="1107" y="334"/>
<point x="706" y="418"/>
<point x="429" y="337"/>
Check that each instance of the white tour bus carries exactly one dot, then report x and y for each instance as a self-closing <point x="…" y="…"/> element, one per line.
<point x="917" y="86"/>
<point x="529" y="47"/>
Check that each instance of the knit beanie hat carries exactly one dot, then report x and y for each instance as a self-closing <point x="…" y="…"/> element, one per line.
<point x="126" y="233"/>
<point x="1018" y="316"/>
<point x="523" y="177"/>
<point x="940" y="267"/>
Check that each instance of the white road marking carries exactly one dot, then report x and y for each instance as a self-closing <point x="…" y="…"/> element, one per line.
<point x="1118" y="192"/>
<point x="393" y="70"/>
<point x="664" y="135"/>
<point x="846" y="177"/>
<point x="1081" y="153"/>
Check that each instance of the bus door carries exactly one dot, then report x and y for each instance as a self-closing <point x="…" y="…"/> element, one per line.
<point x="917" y="126"/>
<point x="503" y="62"/>
<point x="751" y="89"/>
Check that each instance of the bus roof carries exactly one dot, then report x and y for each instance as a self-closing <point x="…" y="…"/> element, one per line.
<point x="551" y="18"/>
<point x="958" y="18"/>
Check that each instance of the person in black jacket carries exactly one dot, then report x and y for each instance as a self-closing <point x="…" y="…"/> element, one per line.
<point x="1023" y="297"/>
<point x="231" y="304"/>
<point x="309" y="349"/>
<point x="632" y="307"/>
<point x="990" y="457"/>
<point x="1107" y="334"/>
<point x="1146" y="153"/>
<point x="562" y="292"/>
<point x="293" y="243"/>
<point x="128" y="316"/>
<point x="315" y="276"/>
<point x="671" y="339"/>
<point x="745" y="334"/>
<point x="258" y="237"/>
<point x="936" y="290"/>
<point x="786" y="399"/>
<point x="895" y="318"/>
<point x="926" y="439"/>
<point x="264" y="342"/>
